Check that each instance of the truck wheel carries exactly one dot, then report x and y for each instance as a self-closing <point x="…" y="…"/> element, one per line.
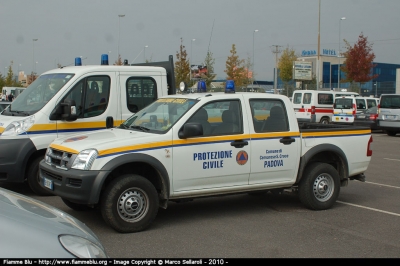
<point x="76" y="206"/>
<point x="129" y="203"/>
<point x="391" y="133"/>
<point x="324" y="120"/>
<point x="319" y="187"/>
<point x="32" y="176"/>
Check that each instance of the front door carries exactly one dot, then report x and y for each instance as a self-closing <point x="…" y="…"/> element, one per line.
<point x="219" y="158"/>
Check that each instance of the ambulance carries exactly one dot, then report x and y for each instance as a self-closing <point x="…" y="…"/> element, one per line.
<point x="315" y="105"/>
<point x="72" y="99"/>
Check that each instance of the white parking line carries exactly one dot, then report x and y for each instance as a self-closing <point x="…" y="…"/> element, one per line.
<point x="381" y="184"/>
<point x="392" y="159"/>
<point x="372" y="209"/>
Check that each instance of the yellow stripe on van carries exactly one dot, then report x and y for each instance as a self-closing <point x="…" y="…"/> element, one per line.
<point x="63" y="148"/>
<point x="336" y="133"/>
<point x="151" y="145"/>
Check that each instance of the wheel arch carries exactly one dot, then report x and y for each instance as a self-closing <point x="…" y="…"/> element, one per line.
<point x="141" y="164"/>
<point x="325" y="153"/>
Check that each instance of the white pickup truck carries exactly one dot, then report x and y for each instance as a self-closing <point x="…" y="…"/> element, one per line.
<point x="203" y="144"/>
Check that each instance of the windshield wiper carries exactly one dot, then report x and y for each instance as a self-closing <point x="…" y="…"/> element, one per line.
<point x="123" y="126"/>
<point x="140" y="128"/>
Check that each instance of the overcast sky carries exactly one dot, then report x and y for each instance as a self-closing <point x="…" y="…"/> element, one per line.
<point x="71" y="28"/>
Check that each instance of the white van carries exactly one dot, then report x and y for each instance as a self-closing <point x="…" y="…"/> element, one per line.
<point x="346" y="108"/>
<point x="70" y="100"/>
<point x="389" y="113"/>
<point x="314" y="105"/>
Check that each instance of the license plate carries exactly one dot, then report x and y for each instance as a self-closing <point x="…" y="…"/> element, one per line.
<point x="361" y="116"/>
<point x="393" y="117"/>
<point x="48" y="183"/>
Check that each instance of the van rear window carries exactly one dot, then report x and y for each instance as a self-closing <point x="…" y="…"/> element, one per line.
<point x="343" y="103"/>
<point x="390" y="101"/>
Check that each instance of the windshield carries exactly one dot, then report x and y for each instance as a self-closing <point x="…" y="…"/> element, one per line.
<point x="390" y="101"/>
<point x="343" y="103"/>
<point x="159" y="116"/>
<point x="38" y="94"/>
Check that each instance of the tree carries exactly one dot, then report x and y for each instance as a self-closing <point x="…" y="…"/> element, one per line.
<point x="234" y="68"/>
<point x="209" y="62"/>
<point x="182" y="69"/>
<point x="359" y="61"/>
<point x="248" y="76"/>
<point x="118" y="62"/>
<point x="285" y="66"/>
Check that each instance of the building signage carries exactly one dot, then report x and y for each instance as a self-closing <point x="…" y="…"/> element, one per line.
<point x="328" y="52"/>
<point x="302" y="70"/>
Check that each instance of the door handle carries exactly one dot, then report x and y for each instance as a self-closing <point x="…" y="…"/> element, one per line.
<point x="287" y="140"/>
<point x="239" y="143"/>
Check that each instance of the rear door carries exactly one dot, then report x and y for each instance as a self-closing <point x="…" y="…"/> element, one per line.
<point x="343" y="110"/>
<point x="275" y="146"/>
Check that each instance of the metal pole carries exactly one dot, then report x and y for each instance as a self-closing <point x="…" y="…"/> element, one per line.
<point x="253" y="55"/>
<point x="144" y="55"/>
<point x="190" y="68"/>
<point x="376" y="89"/>
<point x="33" y="55"/>
<point x="119" y="19"/>
<point x="343" y="18"/>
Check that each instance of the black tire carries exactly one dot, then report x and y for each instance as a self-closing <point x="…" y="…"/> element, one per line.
<point x="319" y="187"/>
<point x="324" y="120"/>
<point x="76" y="206"/>
<point x="32" y="177"/>
<point x="391" y="133"/>
<point x="119" y="197"/>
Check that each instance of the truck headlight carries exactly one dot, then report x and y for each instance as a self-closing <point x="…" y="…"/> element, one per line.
<point x="47" y="158"/>
<point x="85" y="159"/>
<point x="81" y="247"/>
<point x="19" y="127"/>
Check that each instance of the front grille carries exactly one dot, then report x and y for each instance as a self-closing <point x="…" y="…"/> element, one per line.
<point x="59" y="159"/>
<point x="53" y="176"/>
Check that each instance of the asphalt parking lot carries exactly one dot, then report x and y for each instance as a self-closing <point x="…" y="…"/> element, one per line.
<point x="364" y="223"/>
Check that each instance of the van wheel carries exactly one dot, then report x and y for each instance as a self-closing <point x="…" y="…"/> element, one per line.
<point x="391" y="133"/>
<point x="129" y="204"/>
<point x="324" y="120"/>
<point x="32" y="176"/>
<point x="319" y="187"/>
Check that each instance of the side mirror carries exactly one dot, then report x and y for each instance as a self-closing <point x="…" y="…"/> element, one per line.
<point x="334" y="106"/>
<point x="109" y="122"/>
<point x="190" y="130"/>
<point x="69" y="110"/>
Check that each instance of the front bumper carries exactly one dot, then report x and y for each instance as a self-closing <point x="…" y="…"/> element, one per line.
<point x="79" y="186"/>
<point x="14" y="156"/>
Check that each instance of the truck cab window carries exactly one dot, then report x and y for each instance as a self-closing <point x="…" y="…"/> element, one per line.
<point x="271" y="117"/>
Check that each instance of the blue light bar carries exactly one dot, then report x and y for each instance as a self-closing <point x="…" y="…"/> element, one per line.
<point x="229" y="86"/>
<point x="104" y="59"/>
<point x="201" y="86"/>
<point x="78" y="61"/>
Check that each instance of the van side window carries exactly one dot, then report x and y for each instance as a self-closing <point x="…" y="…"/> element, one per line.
<point x="91" y="96"/>
<point x="325" y="98"/>
<point x="140" y="92"/>
<point x="307" y="98"/>
<point x="271" y="118"/>
<point x="297" y="98"/>
<point x="97" y="95"/>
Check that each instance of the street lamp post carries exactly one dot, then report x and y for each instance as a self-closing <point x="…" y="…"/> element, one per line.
<point x="343" y="18"/>
<point x="33" y="54"/>
<point x="253" y="53"/>
<point x="376" y="89"/>
<point x="119" y="20"/>
<point x="144" y="54"/>
<point x="190" y="67"/>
